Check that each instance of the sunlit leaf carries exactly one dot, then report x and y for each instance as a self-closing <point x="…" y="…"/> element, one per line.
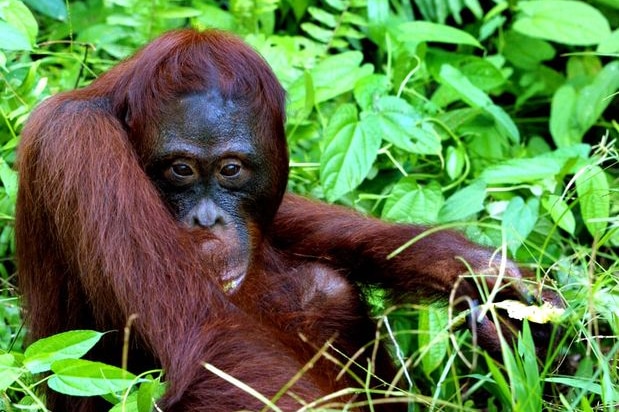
<point x="13" y="39"/>
<point x="454" y="161"/>
<point x="410" y="202"/>
<point x="515" y="171"/>
<point x="424" y="31"/>
<point x="15" y="14"/>
<point x="562" y="21"/>
<point x="560" y="213"/>
<point x="78" y="377"/>
<point x="432" y="337"/>
<point x="401" y="125"/>
<point x="476" y="97"/>
<point x="519" y="220"/>
<point x="9" y="371"/>
<point x="67" y="345"/>
<point x="464" y="203"/>
<point x="350" y="148"/>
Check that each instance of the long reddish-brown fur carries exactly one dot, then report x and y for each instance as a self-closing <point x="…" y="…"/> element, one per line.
<point x="96" y="244"/>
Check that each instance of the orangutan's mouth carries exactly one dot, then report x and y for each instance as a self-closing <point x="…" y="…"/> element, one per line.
<point x="232" y="280"/>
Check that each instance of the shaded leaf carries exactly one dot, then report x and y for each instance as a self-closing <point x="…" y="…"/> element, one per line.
<point x="594" y="199"/>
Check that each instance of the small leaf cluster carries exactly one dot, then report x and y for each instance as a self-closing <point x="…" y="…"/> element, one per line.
<point x="60" y="357"/>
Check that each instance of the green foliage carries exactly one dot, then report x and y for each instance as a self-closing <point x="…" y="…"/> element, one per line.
<point x="497" y="117"/>
<point x="60" y="355"/>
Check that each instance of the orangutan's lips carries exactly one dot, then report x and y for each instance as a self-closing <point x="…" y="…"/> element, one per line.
<point x="232" y="280"/>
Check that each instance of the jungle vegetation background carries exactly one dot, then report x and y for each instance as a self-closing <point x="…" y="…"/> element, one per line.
<point x="498" y="118"/>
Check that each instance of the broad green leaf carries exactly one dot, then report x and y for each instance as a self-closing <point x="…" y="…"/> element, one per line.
<point x="519" y="221"/>
<point x="560" y="213"/>
<point x="317" y="32"/>
<point x="101" y="34"/>
<point x="594" y="98"/>
<point x="331" y="77"/>
<point x="340" y="5"/>
<point x="464" y="203"/>
<point x="475" y="97"/>
<point x="401" y="125"/>
<point x="68" y="345"/>
<point x="572" y="158"/>
<point x="338" y="74"/>
<point x="370" y="88"/>
<point x="574" y="111"/>
<point x="214" y="16"/>
<point x="409" y="202"/>
<point x="454" y="161"/>
<point x="148" y="393"/>
<point x="8" y="176"/>
<point x="472" y="95"/>
<point x="16" y="14"/>
<point x="433" y="340"/>
<point x="9" y="372"/>
<point x="504" y="122"/>
<point x="564" y="126"/>
<point x="141" y="400"/>
<point x="516" y="171"/>
<point x="427" y="140"/>
<point x="480" y="71"/>
<point x="13" y="39"/>
<point x="56" y="9"/>
<point x="350" y="148"/>
<point x="323" y="16"/>
<point x="178" y="13"/>
<point x="610" y="44"/>
<point x="526" y="52"/>
<point x="378" y="12"/>
<point x="79" y="377"/>
<point x="594" y="199"/>
<point x="424" y="31"/>
<point x="130" y="404"/>
<point x="563" y="21"/>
